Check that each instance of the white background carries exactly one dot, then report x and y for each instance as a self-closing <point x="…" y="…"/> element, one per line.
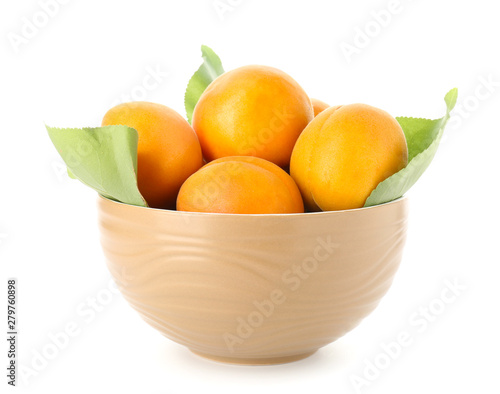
<point x="89" y="54"/>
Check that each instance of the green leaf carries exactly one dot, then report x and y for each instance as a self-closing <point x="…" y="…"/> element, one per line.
<point x="104" y="158"/>
<point x="70" y="174"/>
<point x="208" y="71"/>
<point x="423" y="137"/>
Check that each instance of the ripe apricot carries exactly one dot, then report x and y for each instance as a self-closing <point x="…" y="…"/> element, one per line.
<point x="295" y="195"/>
<point x="318" y="106"/>
<point x="252" y="111"/>
<point x="344" y="153"/>
<point x="239" y="186"/>
<point x="168" y="149"/>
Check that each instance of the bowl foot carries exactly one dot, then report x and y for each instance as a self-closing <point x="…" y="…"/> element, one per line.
<point x="255" y="361"/>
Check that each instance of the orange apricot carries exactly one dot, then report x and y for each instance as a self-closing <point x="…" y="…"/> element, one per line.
<point x="344" y="153"/>
<point x="318" y="106"/>
<point x="252" y="111"/>
<point x="168" y="149"/>
<point x="278" y="171"/>
<point x="238" y="187"/>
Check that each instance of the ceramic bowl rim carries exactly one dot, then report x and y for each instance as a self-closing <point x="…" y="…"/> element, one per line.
<point x="252" y="215"/>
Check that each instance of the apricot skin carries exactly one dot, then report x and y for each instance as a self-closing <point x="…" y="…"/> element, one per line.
<point x="318" y="106"/>
<point x="252" y="111"/>
<point x="344" y="153"/>
<point x="168" y="150"/>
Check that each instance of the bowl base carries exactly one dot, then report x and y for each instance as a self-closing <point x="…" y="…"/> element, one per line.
<point x="255" y="361"/>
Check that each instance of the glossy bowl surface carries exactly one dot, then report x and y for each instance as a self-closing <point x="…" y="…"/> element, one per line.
<point x="253" y="289"/>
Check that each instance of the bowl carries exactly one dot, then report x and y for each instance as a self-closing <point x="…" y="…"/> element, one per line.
<point x="253" y="289"/>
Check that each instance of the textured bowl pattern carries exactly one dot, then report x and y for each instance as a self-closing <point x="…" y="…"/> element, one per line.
<point x="253" y="289"/>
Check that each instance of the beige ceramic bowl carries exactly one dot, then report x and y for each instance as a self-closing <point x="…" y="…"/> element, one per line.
<point x="253" y="289"/>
